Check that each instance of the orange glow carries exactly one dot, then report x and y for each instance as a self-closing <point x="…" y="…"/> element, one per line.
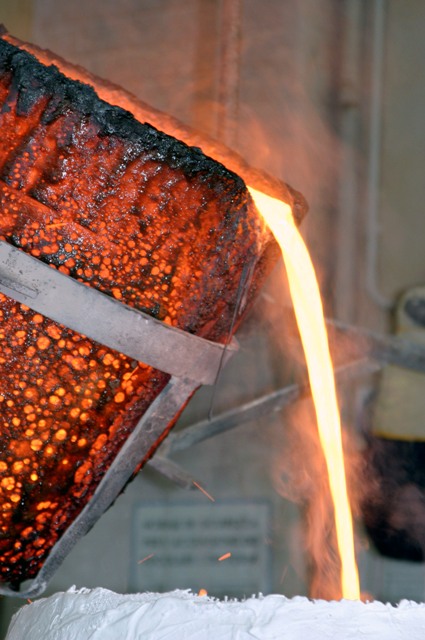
<point x="225" y="556"/>
<point x="309" y="313"/>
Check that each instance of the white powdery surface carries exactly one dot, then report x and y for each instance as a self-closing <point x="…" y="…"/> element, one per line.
<point x="100" y="614"/>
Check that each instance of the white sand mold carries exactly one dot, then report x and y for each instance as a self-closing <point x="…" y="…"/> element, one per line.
<point x="100" y="614"/>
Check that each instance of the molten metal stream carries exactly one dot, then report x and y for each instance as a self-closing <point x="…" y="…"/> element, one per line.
<point x="309" y="313"/>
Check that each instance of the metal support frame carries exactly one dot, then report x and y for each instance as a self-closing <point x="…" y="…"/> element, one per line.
<point x="190" y="360"/>
<point x="138" y="444"/>
<point x="112" y="323"/>
<point x="372" y="351"/>
<point x="108" y="321"/>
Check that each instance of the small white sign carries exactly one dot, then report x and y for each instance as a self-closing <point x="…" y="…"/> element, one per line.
<point x="220" y="547"/>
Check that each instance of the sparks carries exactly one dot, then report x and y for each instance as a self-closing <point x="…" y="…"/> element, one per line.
<point x="225" y="556"/>
<point x="309" y="314"/>
<point x="204" y="491"/>
<point x="151" y="555"/>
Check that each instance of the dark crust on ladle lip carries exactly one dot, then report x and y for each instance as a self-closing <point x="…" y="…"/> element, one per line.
<point x="252" y="176"/>
<point x="34" y="81"/>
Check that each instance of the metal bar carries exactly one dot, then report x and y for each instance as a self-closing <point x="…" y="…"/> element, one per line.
<point x="172" y="471"/>
<point x="384" y="348"/>
<point x="254" y="410"/>
<point x="108" y="321"/>
<point x="373" y="349"/>
<point x="361" y="342"/>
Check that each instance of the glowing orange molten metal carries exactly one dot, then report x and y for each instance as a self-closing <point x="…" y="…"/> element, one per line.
<point x="309" y="313"/>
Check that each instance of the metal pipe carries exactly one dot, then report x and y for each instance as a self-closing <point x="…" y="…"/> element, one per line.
<point x="348" y="191"/>
<point x="229" y="62"/>
<point x="374" y="165"/>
